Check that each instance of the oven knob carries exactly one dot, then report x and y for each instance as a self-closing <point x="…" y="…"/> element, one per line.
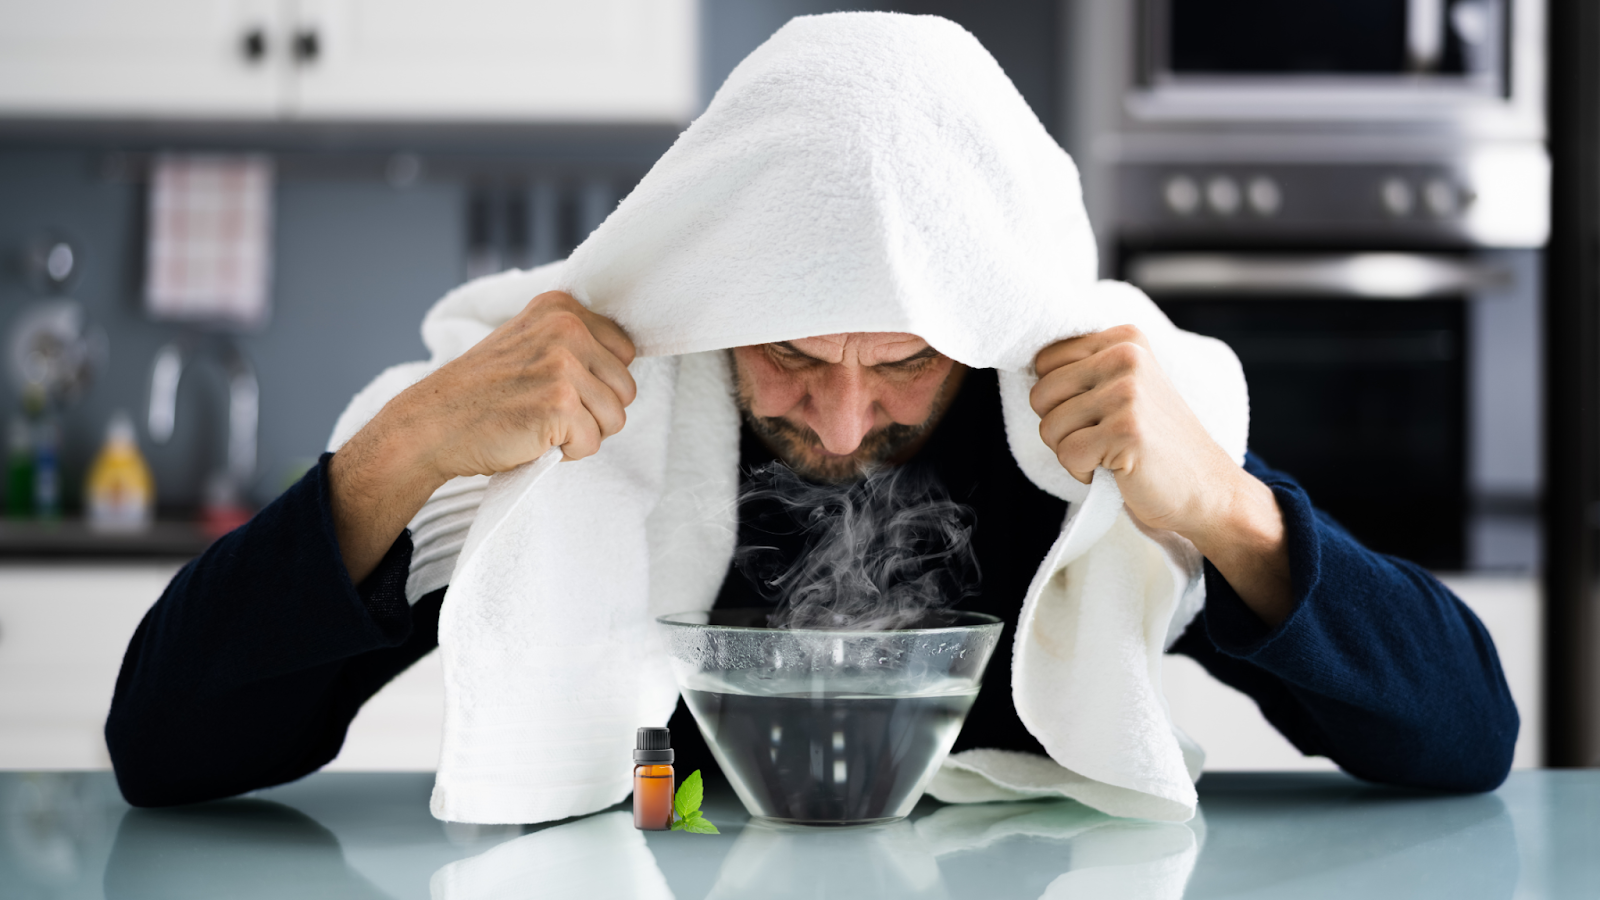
<point x="1441" y="197"/>
<point x="1397" y="197"/>
<point x="1222" y="193"/>
<point x="1265" y="196"/>
<point x="1182" y="195"/>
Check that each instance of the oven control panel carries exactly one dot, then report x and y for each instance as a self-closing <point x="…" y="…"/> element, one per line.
<point x="1494" y="203"/>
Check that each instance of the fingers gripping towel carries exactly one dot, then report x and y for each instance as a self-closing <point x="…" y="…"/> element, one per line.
<point x="858" y="172"/>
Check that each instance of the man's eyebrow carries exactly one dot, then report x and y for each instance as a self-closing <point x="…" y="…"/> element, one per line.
<point x="924" y="353"/>
<point x="789" y="347"/>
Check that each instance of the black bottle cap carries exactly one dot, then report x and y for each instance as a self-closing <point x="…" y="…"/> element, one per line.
<point x="653" y="746"/>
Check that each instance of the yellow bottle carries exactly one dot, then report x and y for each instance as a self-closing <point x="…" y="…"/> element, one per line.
<point x="120" y="494"/>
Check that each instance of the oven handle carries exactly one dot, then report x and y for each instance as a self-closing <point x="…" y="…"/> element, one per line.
<point x="1359" y="276"/>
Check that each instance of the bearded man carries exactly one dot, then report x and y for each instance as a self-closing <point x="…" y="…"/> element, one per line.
<point x="929" y="237"/>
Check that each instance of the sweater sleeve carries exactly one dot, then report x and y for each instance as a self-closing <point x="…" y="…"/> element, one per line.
<point x="1379" y="667"/>
<point x="250" y="667"/>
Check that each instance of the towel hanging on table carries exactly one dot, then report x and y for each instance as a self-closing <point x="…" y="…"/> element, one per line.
<point x="857" y="172"/>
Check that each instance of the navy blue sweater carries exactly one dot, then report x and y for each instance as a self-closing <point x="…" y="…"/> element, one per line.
<point x="249" y="669"/>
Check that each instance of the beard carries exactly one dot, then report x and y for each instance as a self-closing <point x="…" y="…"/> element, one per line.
<point x="801" y="449"/>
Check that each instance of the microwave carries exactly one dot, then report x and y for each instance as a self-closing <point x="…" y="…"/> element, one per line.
<point x="1443" y="45"/>
<point x="1474" y="67"/>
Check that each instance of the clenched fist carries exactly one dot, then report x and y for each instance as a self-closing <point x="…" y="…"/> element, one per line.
<point x="555" y="375"/>
<point x="1103" y="400"/>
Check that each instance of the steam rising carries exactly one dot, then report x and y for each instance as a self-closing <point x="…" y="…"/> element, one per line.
<point x="881" y="553"/>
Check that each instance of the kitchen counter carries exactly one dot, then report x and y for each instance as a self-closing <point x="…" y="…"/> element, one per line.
<point x="74" y="539"/>
<point x="369" y="835"/>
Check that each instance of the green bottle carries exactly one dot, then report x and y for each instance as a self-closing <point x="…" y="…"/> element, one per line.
<point x="19" y="471"/>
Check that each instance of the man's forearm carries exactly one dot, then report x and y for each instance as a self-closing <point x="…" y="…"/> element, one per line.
<point x="376" y="486"/>
<point x="1247" y="542"/>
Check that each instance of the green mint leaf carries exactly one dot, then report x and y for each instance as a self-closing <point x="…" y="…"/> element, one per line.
<point x="690" y="793"/>
<point x="677" y="824"/>
<point x="698" y="824"/>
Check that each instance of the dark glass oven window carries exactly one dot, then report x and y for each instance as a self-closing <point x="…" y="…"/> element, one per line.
<point x="1309" y="37"/>
<point x="1362" y="401"/>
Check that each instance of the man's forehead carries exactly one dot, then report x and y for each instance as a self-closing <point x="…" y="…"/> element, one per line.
<point x="867" y="348"/>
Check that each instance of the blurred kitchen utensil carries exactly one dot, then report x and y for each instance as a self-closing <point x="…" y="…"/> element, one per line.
<point x="53" y="349"/>
<point x="50" y="262"/>
<point x="227" y="486"/>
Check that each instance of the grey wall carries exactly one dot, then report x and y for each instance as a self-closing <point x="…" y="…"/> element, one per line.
<point x="1023" y="35"/>
<point x="358" y="261"/>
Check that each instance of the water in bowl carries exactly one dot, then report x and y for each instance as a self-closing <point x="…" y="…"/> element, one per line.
<point x="829" y="757"/>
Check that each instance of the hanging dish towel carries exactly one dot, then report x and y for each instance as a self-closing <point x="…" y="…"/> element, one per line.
<point x="209" y="250"/>
<point x="858" y="172"/>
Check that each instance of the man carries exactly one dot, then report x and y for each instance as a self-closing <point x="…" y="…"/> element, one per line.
<point x="250" y="668"/>
<point x="858" y="173"/>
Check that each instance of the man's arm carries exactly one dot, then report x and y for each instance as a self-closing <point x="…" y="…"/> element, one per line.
<point x="1359" y="656"/>
<point x="250" y="667"/>
<point x="248" y="670"/>
<point x="1379" y="667"/>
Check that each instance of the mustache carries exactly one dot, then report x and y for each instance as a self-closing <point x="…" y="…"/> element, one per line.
<point x="792" y="441"/>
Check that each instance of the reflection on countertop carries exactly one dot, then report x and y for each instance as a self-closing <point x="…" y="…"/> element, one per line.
<point x="370" y="835"/>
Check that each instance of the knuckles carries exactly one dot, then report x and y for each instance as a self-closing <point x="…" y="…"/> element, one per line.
<point x="1126" y="356"/>
<point x="563" y="396"/>
<point x="566" y="327"/>
<point x="1127" y="334"/>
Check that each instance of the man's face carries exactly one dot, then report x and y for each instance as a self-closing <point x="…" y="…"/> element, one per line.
<point x="833" y="406"/>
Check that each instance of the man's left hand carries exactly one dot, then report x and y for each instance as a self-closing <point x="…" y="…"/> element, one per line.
<point x="1103" y="400"/>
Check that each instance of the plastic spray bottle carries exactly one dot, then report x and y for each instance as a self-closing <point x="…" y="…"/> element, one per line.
<point x="120" y="494"/>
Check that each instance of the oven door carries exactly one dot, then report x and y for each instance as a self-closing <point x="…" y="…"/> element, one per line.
<point x="1357" y="375"/>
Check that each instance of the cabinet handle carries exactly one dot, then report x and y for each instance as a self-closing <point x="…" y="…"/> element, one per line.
<point x="254" y="45"/>
<point x="306" y="46"/>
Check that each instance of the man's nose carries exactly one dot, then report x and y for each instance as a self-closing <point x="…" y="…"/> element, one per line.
<point x="841" y="410"/>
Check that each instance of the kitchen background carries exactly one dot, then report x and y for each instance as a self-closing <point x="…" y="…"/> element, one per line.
<point x="372" y="224"/>
<point x="386" y="196"/>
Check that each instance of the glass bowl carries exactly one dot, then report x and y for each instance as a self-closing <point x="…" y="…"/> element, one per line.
<point x="828" y="727"/>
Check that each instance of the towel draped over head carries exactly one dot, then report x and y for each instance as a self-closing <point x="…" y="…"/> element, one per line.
<point x="859" y="172"/>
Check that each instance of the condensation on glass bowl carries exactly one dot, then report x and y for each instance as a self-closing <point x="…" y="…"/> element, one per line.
<point x="735" y="650"/>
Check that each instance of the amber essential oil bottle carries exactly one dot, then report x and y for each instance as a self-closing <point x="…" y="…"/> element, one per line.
<point x="652" y="779"/>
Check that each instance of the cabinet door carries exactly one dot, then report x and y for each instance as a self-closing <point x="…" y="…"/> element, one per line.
<point x="505" y="60"/>
<point x="63" y="630"/>
<point x="160" y="58"/>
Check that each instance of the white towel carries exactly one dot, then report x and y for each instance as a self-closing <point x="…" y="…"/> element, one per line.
<point x="599" y="858"/>
<point x="209" y="243"/>
<point x="858" y="172"/>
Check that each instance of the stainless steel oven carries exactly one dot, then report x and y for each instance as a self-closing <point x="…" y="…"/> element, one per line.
<point x="1357" y="365"/>
<point x="1353" y="194"/>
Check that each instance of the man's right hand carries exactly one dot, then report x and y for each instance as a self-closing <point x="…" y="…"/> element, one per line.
<point x="555" y="375"/>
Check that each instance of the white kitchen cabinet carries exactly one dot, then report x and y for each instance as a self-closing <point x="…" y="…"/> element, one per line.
<point x="63" y="630"/>
<point x="389" y="60"/>
<point x="91" y="58"/>
<point x="498" y="59"/>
